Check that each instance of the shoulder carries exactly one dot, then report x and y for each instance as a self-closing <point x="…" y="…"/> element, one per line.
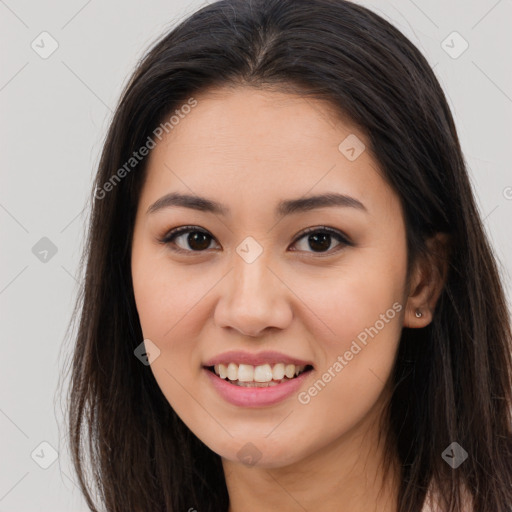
<point x="432" y="502"/>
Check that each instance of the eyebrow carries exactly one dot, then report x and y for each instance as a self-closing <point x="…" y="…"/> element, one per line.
<point x="287" y="207"/>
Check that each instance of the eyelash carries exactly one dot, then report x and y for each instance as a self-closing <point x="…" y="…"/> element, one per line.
<point x="170" y="236"/>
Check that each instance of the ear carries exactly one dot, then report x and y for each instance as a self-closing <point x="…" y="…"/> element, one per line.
<point x="427" y="281"/>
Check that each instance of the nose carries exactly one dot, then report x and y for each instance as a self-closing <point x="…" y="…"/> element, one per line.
<point x="253" y="299"/>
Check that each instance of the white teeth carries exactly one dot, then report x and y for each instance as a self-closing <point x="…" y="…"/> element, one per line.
<point x="222" y="371"/>
<point x="278" y="371"/>
<point x="232" y="371"/>
<point x="289" y="370"/>
<point x="245" y="373"/>
<point x="265" y="373"/>
<point x="262" y="373"/>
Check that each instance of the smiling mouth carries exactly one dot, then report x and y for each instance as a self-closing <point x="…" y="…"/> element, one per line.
<point x="258" y="376"/>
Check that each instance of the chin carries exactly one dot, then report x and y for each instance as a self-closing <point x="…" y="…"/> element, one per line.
<point x="260" y="453"/>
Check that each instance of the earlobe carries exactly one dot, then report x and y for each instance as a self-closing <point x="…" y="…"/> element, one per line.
<point x="417" y="318"/>
<point x="429" y="277"/>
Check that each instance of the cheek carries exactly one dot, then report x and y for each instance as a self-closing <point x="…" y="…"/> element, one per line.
<point x="362" y="312"/>
<point x="357" y="296"/>
<point x="370" y="299"/>
<point x="164" y="294"/>
<point x="171" y="303"/>
<point x="350" y="383"/>
<point x="168" y="304"/>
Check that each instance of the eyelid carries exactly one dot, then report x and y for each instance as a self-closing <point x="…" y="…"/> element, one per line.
<point x="324" y="229"/>
<point x="183" y="229"/>
<point x="169" y="236"/>
<point x="344" y="240"/>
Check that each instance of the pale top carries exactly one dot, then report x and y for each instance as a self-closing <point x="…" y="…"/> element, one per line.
<point x="432" y="504"/>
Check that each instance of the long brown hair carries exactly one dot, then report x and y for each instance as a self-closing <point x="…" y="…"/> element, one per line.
<point x="452" y="380"/>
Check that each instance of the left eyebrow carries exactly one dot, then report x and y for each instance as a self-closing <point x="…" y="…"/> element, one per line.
<point x="287" y="207"/>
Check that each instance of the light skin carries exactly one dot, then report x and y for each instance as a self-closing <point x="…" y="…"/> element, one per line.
<point x="248" y="150"/>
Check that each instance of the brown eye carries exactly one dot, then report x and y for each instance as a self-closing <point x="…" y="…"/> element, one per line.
<point x="320" y="239"/>
<point x="195" y="241"/>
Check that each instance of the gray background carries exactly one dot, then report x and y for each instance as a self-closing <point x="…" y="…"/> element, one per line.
<point x="54" y="116"/>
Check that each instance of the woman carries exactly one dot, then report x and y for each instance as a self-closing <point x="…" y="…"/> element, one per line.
<point x="290" y="302"/>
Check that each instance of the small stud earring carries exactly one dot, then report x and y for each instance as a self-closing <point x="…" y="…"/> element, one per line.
<point x="419" y="314"/>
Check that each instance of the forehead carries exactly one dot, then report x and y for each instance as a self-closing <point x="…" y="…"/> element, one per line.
<point x="267" y="144"/>
<point x="260" y="123"/>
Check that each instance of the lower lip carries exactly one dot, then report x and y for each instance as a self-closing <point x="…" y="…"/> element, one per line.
<point x="256" y="397"/>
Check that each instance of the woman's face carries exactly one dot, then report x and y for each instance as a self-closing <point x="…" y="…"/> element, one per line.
<point x="248" y="280"/>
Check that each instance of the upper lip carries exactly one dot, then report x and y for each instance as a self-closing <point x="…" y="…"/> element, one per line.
<point x="260" y="358"/>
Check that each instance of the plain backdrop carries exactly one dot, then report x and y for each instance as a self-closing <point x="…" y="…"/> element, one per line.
<point x="55" y="110"/>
